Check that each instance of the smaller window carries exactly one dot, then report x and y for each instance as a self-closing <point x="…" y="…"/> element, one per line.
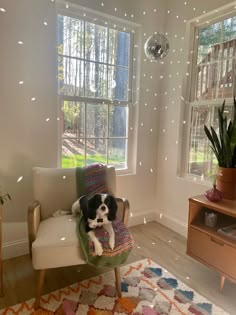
<point x="212" y="80"/>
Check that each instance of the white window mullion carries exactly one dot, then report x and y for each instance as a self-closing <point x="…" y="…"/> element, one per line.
<point x="85" y="133"/>
<point x="108" y="130"/>
<point x="107" y="61"/>
<point x="220" y="60"/>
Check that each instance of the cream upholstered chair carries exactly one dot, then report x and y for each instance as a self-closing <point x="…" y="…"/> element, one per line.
<point x="52" y="240"/>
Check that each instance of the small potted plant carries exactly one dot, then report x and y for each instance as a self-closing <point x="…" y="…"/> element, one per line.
<point x="214" y="194"/>
<point x="223" y="145"/>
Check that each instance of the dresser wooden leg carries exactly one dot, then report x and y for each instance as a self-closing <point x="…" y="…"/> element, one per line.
<point x="222" y="282"/>
<point x="1" y="279"/>
<point x="1" y="268"/>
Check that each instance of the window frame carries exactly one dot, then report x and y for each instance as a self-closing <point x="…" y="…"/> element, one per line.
<point x="189" y="85"/>
<point x="89" y="15"/>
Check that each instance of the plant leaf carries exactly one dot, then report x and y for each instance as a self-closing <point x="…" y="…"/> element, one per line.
<point x="227" y="150"/>
<point x="234" y="157"/>
<point x="216" y="141"/>
<point x="210" y="137"/>
<point x="233" y="132"/>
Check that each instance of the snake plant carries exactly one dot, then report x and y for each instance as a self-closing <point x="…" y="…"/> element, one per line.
<point x="224" y="144"/>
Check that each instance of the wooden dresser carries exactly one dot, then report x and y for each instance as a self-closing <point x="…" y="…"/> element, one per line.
<point x="207" y="245"/>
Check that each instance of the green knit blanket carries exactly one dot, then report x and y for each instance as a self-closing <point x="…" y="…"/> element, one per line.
<point x="91" y="179"/>
<point x="110" y="258"/>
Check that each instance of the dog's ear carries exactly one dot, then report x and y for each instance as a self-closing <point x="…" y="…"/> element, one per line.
<point x="75" y="209"/>
<point x="93" y="203"/>
<point x="112" y="205"/>
<point x="83" y="202"/>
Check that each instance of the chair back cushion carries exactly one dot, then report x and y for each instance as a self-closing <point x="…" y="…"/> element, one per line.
<point x="55" y="188"/>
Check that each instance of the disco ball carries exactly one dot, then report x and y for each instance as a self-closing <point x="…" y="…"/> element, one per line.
<point x="156" y="47"/>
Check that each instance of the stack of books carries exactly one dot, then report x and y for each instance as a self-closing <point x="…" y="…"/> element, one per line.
<point x="229" y="231"/>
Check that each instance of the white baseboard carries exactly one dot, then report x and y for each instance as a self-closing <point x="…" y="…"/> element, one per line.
<point x="15" y="248"/>
<point x="172" y="223"/>
<point x="140" y="217"/>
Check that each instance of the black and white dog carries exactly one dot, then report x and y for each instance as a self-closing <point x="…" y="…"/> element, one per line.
<point x="98" y="210"/>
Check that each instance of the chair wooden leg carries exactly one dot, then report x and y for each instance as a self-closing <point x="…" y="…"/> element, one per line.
<point x="1" y="279"/>
<point x="40" y="282"/>
<point x="118" y="281"/>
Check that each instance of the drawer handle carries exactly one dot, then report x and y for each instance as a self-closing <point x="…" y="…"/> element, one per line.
<point x="217" y="241"/>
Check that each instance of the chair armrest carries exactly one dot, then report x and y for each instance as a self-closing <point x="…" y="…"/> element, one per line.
<point x="123" y="209"/>
<point x="33" y="223"/>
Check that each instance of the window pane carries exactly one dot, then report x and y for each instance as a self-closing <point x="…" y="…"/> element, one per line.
<point x="215" y="80"/>
<point x="228" y="113"/>
<point x="230" y="29"/>
<point x="96" y="123"/>
<point x="200" y="155"/>
<point x="209" y="43"/>
<point x="118" y="119"/>
<point x="118" y="83"/>
<point x="70" y="36"/>
<point x="201" y="158"/>
<point x="73" y="119"/>
<point x="227" y="73"/>
<point x="118" y="153"/>
<point x="95" y="80"/>
<point x="119" y="47"/>
<point x="96" y="151"/>
<point x="95" y="42"/>
<point x="73" y="130"/>
<point x="70" y="76"/>
<point x="206" y="82"/>
<point x="72" y="153"/>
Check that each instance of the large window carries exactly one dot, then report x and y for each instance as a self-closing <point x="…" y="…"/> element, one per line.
<point x="95" y="91"/>
<point x="212" y="81"/>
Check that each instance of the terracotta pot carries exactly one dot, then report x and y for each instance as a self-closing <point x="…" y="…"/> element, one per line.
<point x="226" y="182"/>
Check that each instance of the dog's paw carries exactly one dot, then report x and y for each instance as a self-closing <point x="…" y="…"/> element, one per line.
<point x="112" y="242"/>
<point x="75" y="209"/>
<point x="98" y="249"/>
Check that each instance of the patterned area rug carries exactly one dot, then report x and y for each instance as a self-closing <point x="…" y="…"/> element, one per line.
<point x="147" y="289"/>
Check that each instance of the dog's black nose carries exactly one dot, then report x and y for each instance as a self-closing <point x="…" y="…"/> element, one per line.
<point x="103" y="208"/>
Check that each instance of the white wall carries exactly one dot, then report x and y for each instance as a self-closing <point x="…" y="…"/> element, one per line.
<point x="25" y="136"/>
<point x="173" y="191"/>
<point x="27" y="139"/>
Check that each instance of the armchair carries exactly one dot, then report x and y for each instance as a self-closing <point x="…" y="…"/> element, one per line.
<point x="53" y="241"/>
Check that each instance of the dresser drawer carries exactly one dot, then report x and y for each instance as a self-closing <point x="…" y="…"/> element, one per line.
<point x="213" y="251"/>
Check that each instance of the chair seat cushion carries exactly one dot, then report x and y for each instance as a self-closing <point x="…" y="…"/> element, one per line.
<point x="56" y="243"/>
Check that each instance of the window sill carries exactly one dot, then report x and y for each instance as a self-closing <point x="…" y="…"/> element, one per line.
<point x="196" y="180"/>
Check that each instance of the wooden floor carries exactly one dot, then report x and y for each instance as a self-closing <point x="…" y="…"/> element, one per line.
<point x="152" y="240"/>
